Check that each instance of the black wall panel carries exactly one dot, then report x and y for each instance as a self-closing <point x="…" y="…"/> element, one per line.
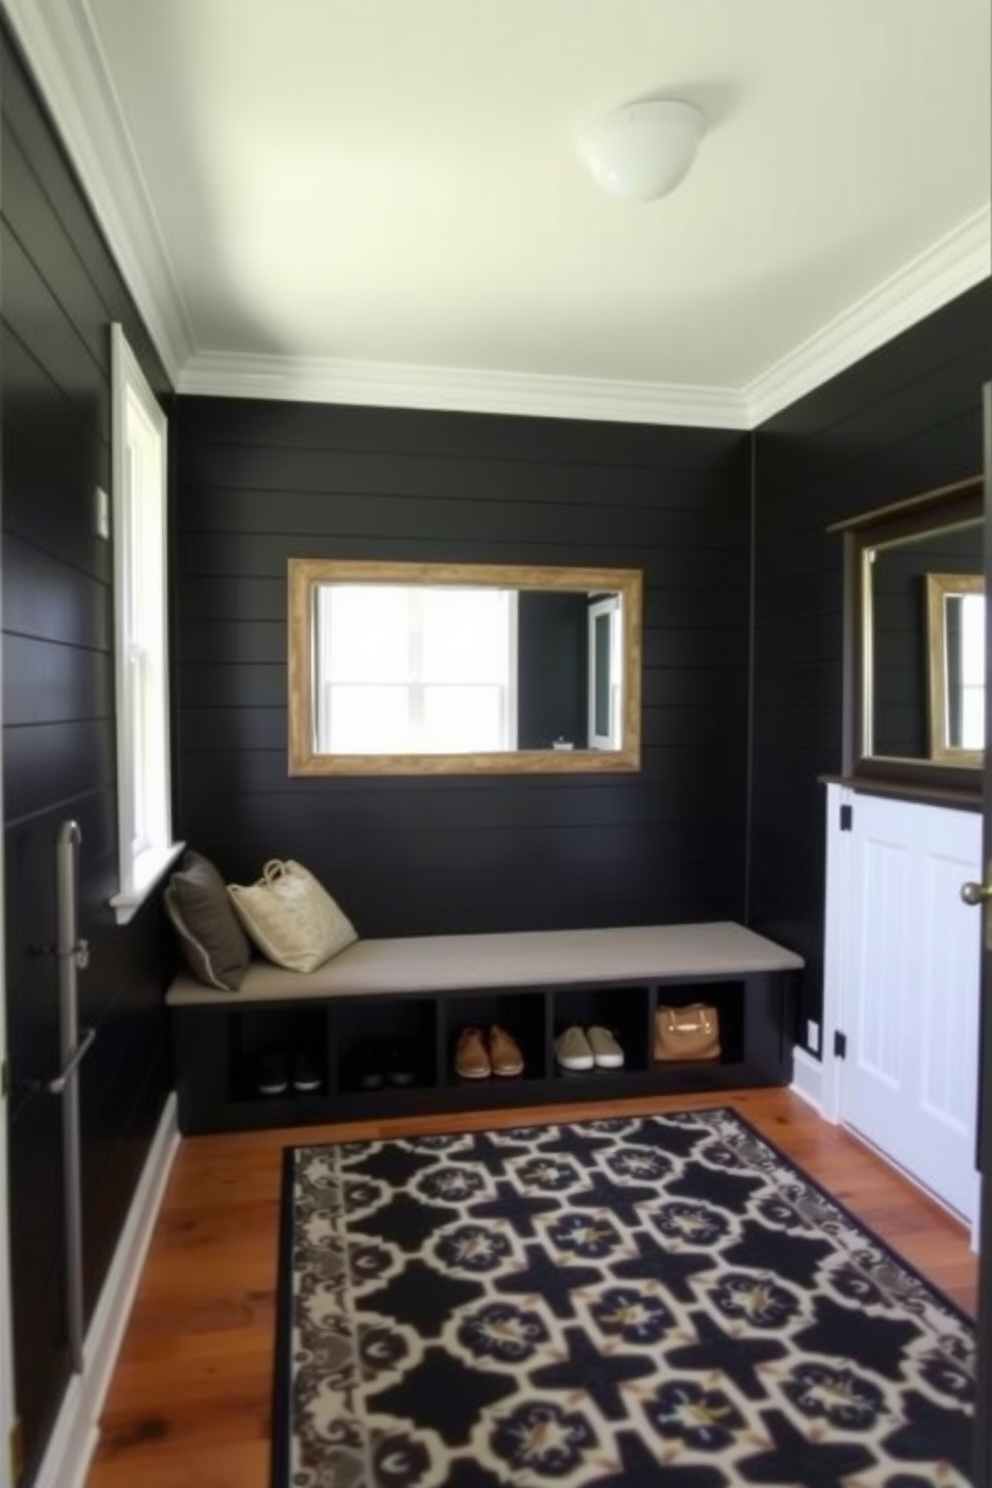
<point x="262" y="482"/>
<point x="903" y="421"/>
<point x="59" y="291"/>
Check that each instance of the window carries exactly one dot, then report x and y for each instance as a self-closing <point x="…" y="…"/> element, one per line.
<point x="968" y="730"/>
<point x="605" y="673"/>
<point x="404" y="669"/>
<point x="145" y="846"/>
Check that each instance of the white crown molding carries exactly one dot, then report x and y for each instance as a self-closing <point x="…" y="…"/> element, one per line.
<point x="959" y="260"/>
<point x="63" y="51"/>
<point x="387" y="385"/>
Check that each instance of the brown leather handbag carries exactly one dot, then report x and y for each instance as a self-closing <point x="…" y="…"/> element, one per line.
<point x="691" y="1032"/>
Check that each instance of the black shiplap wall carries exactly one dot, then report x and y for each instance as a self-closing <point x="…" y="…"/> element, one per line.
<point x="261" y="482"/>
<point x="59" y="290"/>
<point x="902" y="421"/>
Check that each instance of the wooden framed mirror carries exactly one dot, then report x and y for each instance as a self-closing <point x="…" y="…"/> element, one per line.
<point x="426" y="668"/>
<point x="903" y="705"/>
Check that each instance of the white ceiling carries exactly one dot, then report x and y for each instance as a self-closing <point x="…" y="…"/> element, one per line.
<point x="380" y="200"/>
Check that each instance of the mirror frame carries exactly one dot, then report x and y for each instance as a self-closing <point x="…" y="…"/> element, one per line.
<point x="940" y="587"/>
<point x="948" y="506"/>
<point x="305" y="574"/>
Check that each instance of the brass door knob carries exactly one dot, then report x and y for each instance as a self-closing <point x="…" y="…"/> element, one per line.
<point x="975" y="893"/>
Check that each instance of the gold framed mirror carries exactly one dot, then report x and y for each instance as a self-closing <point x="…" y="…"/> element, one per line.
<point x="430" y="668"/>
<point x="897" y="674"/>
<point x="955" y="605"/>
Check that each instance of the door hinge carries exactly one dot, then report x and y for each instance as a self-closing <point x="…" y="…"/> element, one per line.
<point x="840" y="1045"/>
<point x="15" y="1445"/>
<point x="846" y="818"/>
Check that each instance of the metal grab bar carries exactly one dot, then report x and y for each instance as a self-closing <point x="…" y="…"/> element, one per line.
<point x="72" y="954"/>
<point x="57" y="1086"/>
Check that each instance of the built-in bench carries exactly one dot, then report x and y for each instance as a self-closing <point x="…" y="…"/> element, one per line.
<point x="424" y="990"/>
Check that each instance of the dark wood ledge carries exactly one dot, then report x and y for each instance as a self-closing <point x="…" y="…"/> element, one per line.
<point x="960" y="798"/>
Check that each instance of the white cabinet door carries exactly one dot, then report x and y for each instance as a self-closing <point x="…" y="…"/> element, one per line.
<point x="910" y="990"/>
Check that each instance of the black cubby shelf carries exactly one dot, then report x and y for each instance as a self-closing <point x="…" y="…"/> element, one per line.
<point x="217" y="1047"/>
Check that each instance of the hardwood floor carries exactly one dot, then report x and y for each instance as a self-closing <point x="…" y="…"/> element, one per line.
<point x="189" y="1403"/>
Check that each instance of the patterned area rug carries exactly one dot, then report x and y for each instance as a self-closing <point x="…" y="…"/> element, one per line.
<point x="622" y="1303"/>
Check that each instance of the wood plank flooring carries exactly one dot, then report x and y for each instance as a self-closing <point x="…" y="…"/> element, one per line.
<point x="189" y="1403"/>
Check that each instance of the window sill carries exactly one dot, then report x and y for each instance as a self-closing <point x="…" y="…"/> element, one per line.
<point x="149" y="869"/>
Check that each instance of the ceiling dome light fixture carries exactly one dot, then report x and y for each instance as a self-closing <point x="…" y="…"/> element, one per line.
<point x="643" y="150"/>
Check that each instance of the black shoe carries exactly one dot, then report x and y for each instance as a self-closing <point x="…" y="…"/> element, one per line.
<point x="368" y="1071"/>
<point x="399" y="1066"/>
<point x="306" y="1076"/>
<point x="272" y="1077"/>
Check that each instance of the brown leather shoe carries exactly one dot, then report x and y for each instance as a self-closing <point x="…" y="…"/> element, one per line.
<point x="504" y="1052"/>
<point x="471" y="1059"/>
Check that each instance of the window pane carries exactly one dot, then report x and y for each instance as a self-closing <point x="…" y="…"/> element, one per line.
<point x="367" y="720"/>
<point x="460" y="719"/>
<point x="972" y="687"/>
<point x="409" y="669"/>
<point x="465" y="635"/>
<point x="139" y="440"/>
<point x="138" y="785"/>
<point x="602" y="673"/>
<point x="973" y="638"/>
<point x="362" y="631"/>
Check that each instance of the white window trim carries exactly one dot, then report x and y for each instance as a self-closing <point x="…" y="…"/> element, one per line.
<point x="140" y="867"/>
<point x="610" y="605"/>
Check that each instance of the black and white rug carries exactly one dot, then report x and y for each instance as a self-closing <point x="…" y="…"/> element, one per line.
<point x="662" y="1300"/>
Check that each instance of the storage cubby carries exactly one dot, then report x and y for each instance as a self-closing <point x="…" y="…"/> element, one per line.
<point x="522" y="1014"/>
<point x="254" y="1033"/>
<point x="624" y="1010"/>
<point x="400" y="1034"/>
<point x="729" y="1000"/>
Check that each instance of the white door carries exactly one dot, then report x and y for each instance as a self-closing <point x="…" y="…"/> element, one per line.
<point x="910" y="991"/>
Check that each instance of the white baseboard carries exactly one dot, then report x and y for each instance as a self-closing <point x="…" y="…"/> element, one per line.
<point x="807" y="1078"/>
<point x="74" y="1438"/>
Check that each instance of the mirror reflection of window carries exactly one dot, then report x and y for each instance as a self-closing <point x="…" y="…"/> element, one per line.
<point x="965" y="628"/>
<point x="403" y="669"/>
<point x="605" y="673"/>
<point x="955" y="617"/>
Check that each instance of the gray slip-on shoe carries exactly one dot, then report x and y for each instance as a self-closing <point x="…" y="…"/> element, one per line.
<point x="606" y="1052"/>
<point x="572" y="1051"/>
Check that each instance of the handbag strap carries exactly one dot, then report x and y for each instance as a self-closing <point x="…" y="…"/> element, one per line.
<point x="699" y="1009"/>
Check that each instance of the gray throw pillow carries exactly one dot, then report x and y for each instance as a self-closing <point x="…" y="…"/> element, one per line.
<point x="214" y="945"/>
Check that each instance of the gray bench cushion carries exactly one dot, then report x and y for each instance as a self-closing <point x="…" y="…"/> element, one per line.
<point x="538" y="958"/>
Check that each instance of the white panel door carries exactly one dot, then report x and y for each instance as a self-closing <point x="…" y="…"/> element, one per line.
<point x="909" y="1080"/>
